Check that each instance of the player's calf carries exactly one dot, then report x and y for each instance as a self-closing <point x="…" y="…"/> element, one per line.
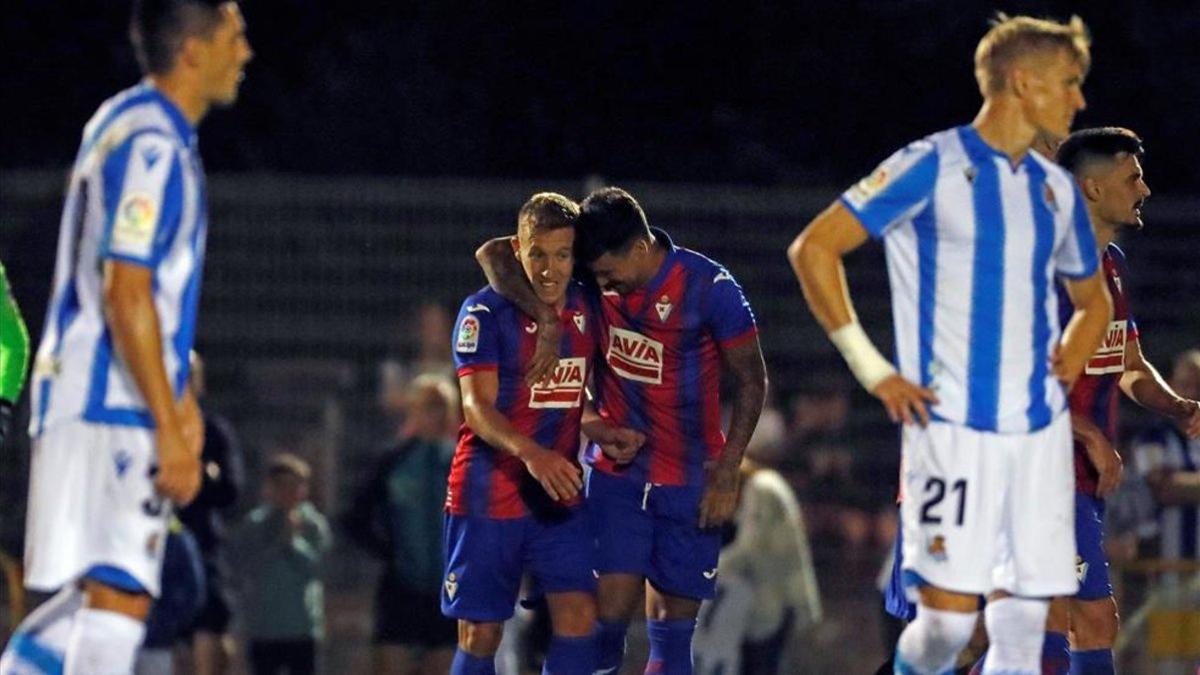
<point x="1094" y="625"/>
<point x="573" y="648"/>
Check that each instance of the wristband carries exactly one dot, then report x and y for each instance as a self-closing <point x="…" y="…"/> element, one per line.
<point x="865" y="361"/>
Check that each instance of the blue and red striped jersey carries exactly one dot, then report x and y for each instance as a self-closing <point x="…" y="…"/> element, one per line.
<point x="493" y="334"/>
<point x="1097" y="390"/>
<point x="661" y="371"/>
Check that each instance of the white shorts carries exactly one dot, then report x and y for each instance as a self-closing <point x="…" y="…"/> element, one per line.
<point x="92" y="503"/>
<point x="984" y="511"/>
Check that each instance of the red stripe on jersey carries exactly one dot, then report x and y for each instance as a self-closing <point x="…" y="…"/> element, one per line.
<point x="477" y="368"/>
<point x="740" y="339"/>
<point x="668" y="443"/>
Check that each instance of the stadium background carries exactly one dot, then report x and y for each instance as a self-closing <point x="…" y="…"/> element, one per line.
<point x="377" y="144"/>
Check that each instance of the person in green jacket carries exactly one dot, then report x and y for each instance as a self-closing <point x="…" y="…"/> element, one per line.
<point x="14" y="356"/>
<point x="279" y="549"/>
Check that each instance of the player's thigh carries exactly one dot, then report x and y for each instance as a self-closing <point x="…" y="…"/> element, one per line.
<point x="1094" y="623"/>
<point x="484" y="559"/>
<point x="621" y="525"/>
<point x="683" y="561"/>
<point x="1041" y="512"/>
<point x="950" y="513"/>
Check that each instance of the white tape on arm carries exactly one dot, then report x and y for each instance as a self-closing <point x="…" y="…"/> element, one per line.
<point x="865" y="361"/>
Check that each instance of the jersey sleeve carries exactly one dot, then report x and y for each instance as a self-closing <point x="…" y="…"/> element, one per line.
<point x="1077" y="256"/>
<point x="476" y="338"/>
<point x="896" y="190"/>
<point x="1118" y="258"/>
<point x="728" y="315"/>
<point x="143" y="199"/>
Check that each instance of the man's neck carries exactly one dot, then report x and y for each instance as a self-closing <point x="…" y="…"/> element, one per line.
<point x="1106" y="232"/>
<point x="1002" y="125"/>
<point x="183" y="95"/>
<point x="658" y="256"/>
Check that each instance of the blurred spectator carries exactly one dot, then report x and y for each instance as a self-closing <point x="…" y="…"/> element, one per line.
<point x="279" y="548"/>
<point x="397" y="516"/>
<point x="767" y="589"/>
<point x="426" y="350"/>
<point x="178" y="605"/>
<point x="1170" y="463"/>
<point x="221" y="483"/>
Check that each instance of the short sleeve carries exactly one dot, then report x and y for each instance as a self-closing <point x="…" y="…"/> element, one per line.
<point x="728" y="315"/>
<point x="1076" y="256"/>
<point x="1118" y="257"/>
<point x="143" y="199"/>
<point x="896" y="190"/>
<point x="476" y="338"/>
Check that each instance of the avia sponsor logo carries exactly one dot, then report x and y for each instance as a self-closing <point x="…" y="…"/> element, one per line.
<point x="565" y="389"/>
<point x="635" y="356"/>
<point x="1110" y="357"/>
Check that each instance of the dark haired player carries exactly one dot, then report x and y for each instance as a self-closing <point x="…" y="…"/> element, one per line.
<point x="116" y="434"/>
<point x="672" y="321"/>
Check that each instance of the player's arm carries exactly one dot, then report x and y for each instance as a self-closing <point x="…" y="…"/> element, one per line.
<point x="1143" y="384"/>
<point x="133" y="320"/>
<point x="1100" y="451"/>
<point x="14" y="355"/>
<point x="620" y="444"/>
<point x="816" y="258"/>
<point x="1085" y="330"/>
<point x="743" y="362"/>
<point x="504" y="273"/>
<point x="558" y="476"/>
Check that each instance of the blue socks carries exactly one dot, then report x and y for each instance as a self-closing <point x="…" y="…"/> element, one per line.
<point x="571" y="656"/>
<point x="670" y="647"/>
<point x="1056" y="654"/>
<point x="610" y="647"/>
<point x="466" y="664"/>
<point x="1092" y="662"/>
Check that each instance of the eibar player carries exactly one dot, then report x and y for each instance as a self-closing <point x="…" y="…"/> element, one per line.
<point x="672" y="321"/>
<point x="14" y="356"/>
<point x="1106" y="163"/>
<point x="116" y="434"/>
<point x="976" y="228"/>
<point x="514" y="503"/>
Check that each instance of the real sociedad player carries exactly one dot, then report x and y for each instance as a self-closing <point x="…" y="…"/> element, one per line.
<point x="673" y="320"/>
<point x="116" y="433"/>
<point x="976" y="229"/>
<point x="514" y="504"/>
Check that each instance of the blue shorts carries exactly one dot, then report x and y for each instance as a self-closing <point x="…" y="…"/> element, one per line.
<point x="895" y="598"/>
<point x="653" y="531"/>
<point x="486" y="558"/>
<point x="1091" y="565"/>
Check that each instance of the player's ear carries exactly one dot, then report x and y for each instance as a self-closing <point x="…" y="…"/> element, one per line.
<point x="191" y="52"/>
<point x="516" y="246"/>
<point x="1090" y="187"/>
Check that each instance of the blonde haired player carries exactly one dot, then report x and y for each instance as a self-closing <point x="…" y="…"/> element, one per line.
<point x="976" y="228"/>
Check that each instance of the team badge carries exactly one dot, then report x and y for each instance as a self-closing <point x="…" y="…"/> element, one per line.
<point x="468" y="336"/>
<point x="451" y="585"/>
<point x="1048" y="195"/>
<point x="580" y="321"/>
<point x="1081" y="569"/>
<point x="937" y="548"/>
<point x="663" y="307"/>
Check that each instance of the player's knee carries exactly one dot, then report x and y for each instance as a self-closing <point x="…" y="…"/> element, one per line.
<point x="933" y="639"/>
<point x="1016" y="623"/>
<point x="572" y="614"/>
<point x="664" y="607"/>
<point x="480" y="638"/>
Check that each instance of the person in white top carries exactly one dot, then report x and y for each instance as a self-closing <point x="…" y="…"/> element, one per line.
<point x="116" y="435"/>
<point x="976" y="228"/>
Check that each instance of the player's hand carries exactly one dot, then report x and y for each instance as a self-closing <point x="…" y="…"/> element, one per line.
<point x="545" y="353"/>
<point x="1107" y="461"/>
<point x="720" y="495"/>
<point x="1066" y="372"/>
<point x="620" y="444"/>
<point x="904" y="401"/>
<point x="178" y="472"/>
<point x="191" y="423"/>
<point x="6" y="420"/>
<point x="558" y="476"/>
<point x="1190" y="423"/>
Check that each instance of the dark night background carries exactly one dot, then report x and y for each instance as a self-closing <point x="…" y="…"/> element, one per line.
<point x="751" y="92"/>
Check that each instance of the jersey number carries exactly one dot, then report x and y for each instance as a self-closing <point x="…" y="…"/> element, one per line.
<point x="936" y="489"/>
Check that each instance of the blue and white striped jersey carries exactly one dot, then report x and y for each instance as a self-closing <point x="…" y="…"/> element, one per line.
<point x="136" y="195"/>
<point x="973" y="246"/>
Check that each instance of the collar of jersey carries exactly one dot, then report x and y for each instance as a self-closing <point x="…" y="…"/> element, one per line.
<point x="979" y="150"/>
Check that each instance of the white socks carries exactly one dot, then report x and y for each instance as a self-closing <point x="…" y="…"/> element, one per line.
<point x="103" y="643"/>
<point x="38" y="644"/>
<point x="1015" y="627"/>
<point x="933" y="640"/>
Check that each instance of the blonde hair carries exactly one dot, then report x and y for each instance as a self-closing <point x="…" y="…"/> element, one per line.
<point x="546" y="211"/>
<point x="1010" y="38"/>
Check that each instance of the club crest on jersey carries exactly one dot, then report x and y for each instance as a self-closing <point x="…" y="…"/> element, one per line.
<point x="634" y="356"/>
<point x="937" y="548"/>
<point x="1048" y="195"/>
<point x="1081" y="569"/>
<point x="580" y="322"/>
<point x="468" y="336"/>
<point x="663" y="307"/>
<point x="451" y="585"/>
<point x="565" y="388"/>
<point x="1110" y="356"/>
